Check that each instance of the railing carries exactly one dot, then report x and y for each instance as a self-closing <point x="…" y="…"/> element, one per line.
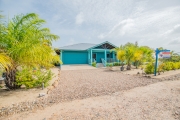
<point x="89" y="61"/>
<point x="94" y="60"/>
<point x="103" y="62"/>
<point x="111" y="60"/>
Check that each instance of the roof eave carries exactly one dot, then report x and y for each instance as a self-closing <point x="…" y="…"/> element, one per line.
<point x="101" y="44"/>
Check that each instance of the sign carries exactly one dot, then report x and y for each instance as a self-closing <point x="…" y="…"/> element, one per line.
<point x="165" y="54"/>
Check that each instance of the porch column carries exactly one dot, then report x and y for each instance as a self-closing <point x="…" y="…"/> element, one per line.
<point x="113" y="54"/>
<point x="61" y="58"/>
<point x="105" y="57"/>
<point x="91" y="56"/>
<point x="88" y="57"/>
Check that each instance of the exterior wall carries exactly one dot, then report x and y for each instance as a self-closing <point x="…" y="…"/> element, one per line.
<point x="99" y="55"/>
<point x="75" y="57"/>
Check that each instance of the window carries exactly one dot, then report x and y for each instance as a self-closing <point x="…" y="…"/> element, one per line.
<point x="94" y="56"/>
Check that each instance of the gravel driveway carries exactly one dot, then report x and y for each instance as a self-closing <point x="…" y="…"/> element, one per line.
<point x="80" y="84"/>
<point x="75" y="85"/>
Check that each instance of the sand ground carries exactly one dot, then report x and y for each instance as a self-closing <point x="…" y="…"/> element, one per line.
<point x="103" y="94"/>
<point x="160" y="101"/>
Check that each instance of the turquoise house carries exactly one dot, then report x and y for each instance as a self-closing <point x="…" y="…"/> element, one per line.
<point x="86" y="53"/>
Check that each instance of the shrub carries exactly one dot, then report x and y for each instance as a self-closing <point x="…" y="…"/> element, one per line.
<point x="116" y="64"/>
<point x="33" y="78"/>
<point x="149" y="68"/>
<point x="110" y="64"/>
<point x="94" y="64"/>
<point x="161" y="68"/>
<point x="174" y="65"/>
<point x="178" y="64"/>
<point x="168" y="66"/>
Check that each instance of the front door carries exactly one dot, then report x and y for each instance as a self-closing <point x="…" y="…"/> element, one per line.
<point x="108" y="55"/>
<point x="94" y="56"/>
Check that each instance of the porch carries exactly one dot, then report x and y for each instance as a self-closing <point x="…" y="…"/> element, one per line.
<point x="101" y="56"/>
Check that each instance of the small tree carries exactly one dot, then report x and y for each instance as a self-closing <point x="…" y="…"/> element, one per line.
<point x="121" y="57"/>
<point x="137" y="57"/>
<point x="26" y="43"/>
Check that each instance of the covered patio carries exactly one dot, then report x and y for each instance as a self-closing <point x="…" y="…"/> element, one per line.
<point x="102" y="54"/>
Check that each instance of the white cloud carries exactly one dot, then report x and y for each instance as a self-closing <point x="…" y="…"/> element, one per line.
<point x="79" y="18"/>
<point x="176" y="29"/>
<point x="119" y="29"/>
<point x="151" y="22"/>
<point x="175" y="42"/>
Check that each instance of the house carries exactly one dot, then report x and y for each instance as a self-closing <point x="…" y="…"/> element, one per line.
<point x="86" y="53"/>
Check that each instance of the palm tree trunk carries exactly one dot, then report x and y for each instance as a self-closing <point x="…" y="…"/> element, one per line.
<point x="10" y="78"/>
<point x="128" y="65"/>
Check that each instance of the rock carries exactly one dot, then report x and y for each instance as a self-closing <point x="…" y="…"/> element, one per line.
<point x="23" y="86"/>
<point x="55" y="84"/>
<point x="42" y="94"/>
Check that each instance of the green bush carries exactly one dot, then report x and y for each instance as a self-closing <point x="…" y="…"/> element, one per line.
<point x="168" y="66"/>
<point x="94" y="64"/>
<point x="173" y="65"/>
<point x="110" y="64"/>
<point x="178" y="65"/>
<point x="33" y="78"/>
<point x="116" y="64"/>
<point x="149" y="69"/>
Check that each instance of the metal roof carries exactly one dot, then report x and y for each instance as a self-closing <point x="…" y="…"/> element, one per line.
<point x="80" y="46"/>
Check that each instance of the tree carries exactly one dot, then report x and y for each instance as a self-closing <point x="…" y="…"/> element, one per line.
<point x="121" y="57"/>
<point x="129" y="55"/>
<point x="26" y="43"/>
<point x="137" y="57"/>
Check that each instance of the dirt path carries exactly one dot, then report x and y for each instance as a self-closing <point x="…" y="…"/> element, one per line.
<point x="160" y="101"/>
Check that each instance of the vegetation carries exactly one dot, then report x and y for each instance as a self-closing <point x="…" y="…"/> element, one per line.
<point x="109" y="64"/>
<point x="33" y="78"/>
<point x="163" y="66"/>
<point x="132" y="53"/>
<point x="94" y="64"/>
<point x="117" y="64"/>
<point x="172" y="63"/>
<point x="25" y="43"/>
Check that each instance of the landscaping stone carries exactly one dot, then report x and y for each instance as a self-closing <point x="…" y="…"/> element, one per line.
<point x="23" y="86"/>
<point x="42" y="94"/>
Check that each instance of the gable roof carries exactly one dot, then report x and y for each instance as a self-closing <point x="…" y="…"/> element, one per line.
<point x="80" y="46"/>
<point x="102" y="44"/>
<point x="84" y="46"/>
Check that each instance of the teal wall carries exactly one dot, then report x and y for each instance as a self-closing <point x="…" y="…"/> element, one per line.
<point x="99" y="55"/>
<point x="75" y="57"/>
<point x="82" y="57"/>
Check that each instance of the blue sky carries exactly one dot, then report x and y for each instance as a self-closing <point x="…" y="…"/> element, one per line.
<point x="155" y="23"/>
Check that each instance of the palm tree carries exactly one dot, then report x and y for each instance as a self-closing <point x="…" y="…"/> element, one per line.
<point x="129" y="54"/>
<point x="120" y="55"/>
<point x="27" y="44"/>
<point x="137" y="57"/>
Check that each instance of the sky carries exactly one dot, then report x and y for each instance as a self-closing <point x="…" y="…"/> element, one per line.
<point x="153" y="23"/>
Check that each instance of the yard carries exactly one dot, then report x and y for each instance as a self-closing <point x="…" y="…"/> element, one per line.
<point x="104" y="94"/>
